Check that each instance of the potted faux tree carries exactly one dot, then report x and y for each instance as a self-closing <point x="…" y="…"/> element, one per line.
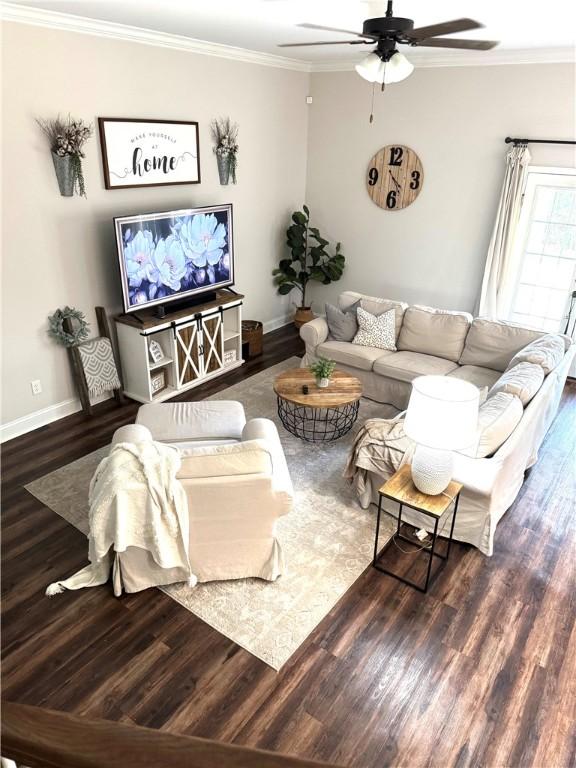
<point x="309" y="261"/>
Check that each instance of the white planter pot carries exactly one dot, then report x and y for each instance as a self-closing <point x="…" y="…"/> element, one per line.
<point x="323" y="383"/>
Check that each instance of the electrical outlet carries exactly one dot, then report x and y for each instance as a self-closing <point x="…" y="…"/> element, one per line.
<point x="36" y="386"/>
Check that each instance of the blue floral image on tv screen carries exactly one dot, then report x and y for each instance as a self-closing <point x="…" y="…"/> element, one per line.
<point x="173" y="255"/>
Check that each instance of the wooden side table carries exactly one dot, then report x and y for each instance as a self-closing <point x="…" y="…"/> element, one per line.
<point x="401" y="489"/>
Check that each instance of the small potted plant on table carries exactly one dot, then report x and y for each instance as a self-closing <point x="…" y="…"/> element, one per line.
<point x="323" y="370"/>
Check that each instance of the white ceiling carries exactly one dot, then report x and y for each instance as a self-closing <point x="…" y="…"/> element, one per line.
<point x="259" y="25"/>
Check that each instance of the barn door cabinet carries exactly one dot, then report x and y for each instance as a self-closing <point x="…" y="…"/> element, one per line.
<point x="198" y="344"/>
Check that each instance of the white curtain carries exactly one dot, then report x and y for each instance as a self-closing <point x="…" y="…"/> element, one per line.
<point x="499" y="277"/>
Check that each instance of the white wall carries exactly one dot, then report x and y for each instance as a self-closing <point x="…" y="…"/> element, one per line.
<point x="456" y="120"/>
<point x="59" y="251"/>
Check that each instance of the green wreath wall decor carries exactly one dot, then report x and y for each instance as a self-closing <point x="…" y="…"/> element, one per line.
<point x="78" y="320"/>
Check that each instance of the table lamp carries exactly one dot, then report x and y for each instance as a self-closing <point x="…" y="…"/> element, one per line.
<point x="442" y="417"/>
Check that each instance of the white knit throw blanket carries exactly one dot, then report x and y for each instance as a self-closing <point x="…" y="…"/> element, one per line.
<point x="135" y="501"/>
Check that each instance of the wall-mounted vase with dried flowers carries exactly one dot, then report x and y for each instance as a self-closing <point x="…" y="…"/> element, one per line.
<point x="225" y="135"/>
<point x="67" y="138"/>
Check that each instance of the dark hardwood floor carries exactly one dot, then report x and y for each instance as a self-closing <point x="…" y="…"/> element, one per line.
<point x="479" y="672"/>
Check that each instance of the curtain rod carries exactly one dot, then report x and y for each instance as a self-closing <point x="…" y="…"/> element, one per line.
<point x="510" y="140"/>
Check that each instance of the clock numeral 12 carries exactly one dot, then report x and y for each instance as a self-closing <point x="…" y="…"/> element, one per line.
<point x="372" y="176"/>
<point x="415" y="183"/>
<point x="396" y="155"/>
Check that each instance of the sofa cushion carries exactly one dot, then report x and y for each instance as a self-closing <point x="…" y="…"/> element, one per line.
<point x="343" y="324"/>
<point x="185" y="446"/>
<point x="374" y="305"/>
<point x="492" y="344"/>
<point x="481" y="377"/>
<point x="434" y="332"/>
<point x="524" y="380"/>
<point x="498" y="417"/>
<point x="547" y="352"/>
<point x="376" y="330"/>
<point x="353" y="355"/>
<point x="186" y="422"/>
<point x="406" y="366"/>
<point x="251" y="457"/>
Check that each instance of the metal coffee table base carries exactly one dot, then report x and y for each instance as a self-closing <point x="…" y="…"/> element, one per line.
<point x="316" y="425"/>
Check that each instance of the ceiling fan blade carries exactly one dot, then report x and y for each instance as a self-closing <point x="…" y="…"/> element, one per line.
<point x="326" y="42"/>
<point x="455" y="42"/>
<point x="445" y="28"/>
<point x="336" y="29"/>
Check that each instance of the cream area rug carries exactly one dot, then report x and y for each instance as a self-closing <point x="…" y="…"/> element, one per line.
<point x="327" y="539"/>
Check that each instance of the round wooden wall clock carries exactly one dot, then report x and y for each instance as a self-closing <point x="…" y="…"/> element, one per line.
<point x="394" y="177"/>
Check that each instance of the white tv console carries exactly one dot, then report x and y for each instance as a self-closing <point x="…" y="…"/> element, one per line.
<point x="194" y="341"/>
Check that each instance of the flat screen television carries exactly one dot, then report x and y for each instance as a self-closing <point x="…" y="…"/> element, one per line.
<point x="175" y="255"/>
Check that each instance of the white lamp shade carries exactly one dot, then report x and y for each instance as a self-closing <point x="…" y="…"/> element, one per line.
<point x="373" y="69"/>
<point x="442" y="412"/>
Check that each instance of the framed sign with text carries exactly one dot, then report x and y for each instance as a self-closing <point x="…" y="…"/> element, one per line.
<point x="149" y="153"/>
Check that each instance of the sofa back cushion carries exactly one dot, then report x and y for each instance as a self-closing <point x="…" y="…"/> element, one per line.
<point x="547" y="352"/>
<point x="493" y="344"/>
<point x="251" y="457"/>
<point x="498" y="417"/>
<point x="220" y="420"/>
<point x="524" y="380"/>
<point x="374" y="305"/>
<point x="436" y="332"/>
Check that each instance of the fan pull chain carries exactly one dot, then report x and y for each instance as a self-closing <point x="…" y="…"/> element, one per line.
<point x="372" y="105"/>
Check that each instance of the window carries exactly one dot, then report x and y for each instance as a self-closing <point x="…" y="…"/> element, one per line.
<point x="546" y="250"/>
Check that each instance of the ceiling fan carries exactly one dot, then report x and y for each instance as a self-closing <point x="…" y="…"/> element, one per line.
<point x="386" y="64"/>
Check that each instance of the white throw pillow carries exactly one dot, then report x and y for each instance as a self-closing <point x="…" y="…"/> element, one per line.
<point x="376" y="331"/>
<point x="524" y="380"/>
<point x="547" y="352"/>
<point x="498" y="417"/>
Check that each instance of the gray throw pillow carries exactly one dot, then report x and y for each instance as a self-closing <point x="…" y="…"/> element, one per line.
<point x="343" y="326"/>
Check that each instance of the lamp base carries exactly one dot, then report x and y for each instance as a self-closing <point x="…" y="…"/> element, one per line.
<point x="431" y="469"/>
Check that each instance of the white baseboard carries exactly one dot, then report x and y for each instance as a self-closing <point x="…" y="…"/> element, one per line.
<point x="278" y="322"/>
<point x="54" y="412"/>
<point x="43" y="417"/>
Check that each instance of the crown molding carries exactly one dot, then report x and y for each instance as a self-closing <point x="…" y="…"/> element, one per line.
<point x="71" y="23"/>
<point x="420" y="58"/>
<point x="496" y="57"/>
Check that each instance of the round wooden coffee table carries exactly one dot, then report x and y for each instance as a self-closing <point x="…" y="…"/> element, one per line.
<point x="323" y="414"/>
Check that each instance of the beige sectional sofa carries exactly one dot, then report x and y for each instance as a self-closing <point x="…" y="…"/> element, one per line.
<point x="434" y="341"/>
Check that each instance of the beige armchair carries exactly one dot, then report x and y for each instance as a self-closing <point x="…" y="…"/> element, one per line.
<point x="237" y="485"/>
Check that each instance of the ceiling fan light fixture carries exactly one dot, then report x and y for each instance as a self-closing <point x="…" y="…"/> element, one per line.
<point x="371" y="68"/>
<point x="377" y="70"/>
<point x="397" y="68"/>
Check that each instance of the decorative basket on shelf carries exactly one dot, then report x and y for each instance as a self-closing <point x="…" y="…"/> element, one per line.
<point x="229" y="356"/>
